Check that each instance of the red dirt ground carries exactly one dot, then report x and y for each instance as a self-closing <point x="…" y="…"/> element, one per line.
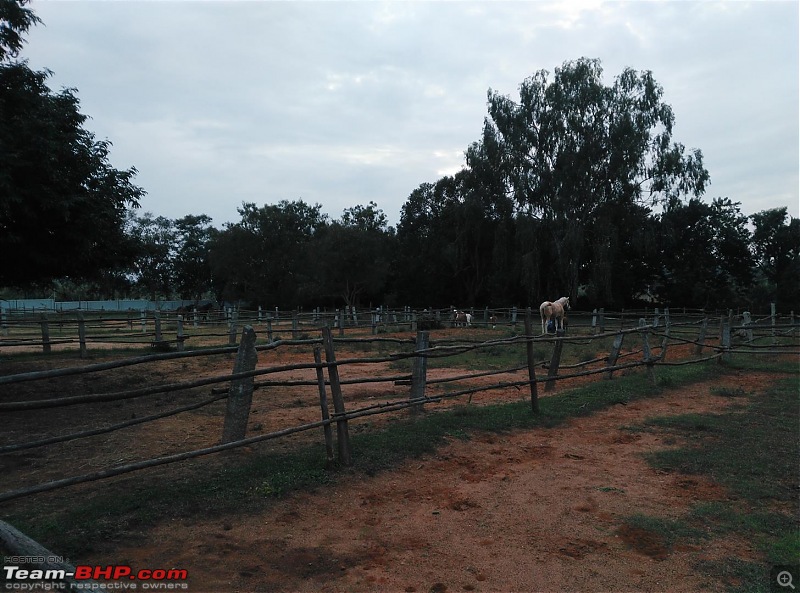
<point x="537" y="510"/>
<point x="540" y="510"/>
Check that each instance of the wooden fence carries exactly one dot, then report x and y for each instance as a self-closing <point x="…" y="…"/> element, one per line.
<point x="654" y="336"/>
<point x="171" y="330"/>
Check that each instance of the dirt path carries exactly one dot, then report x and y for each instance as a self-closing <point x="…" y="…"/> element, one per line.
<point x="539" y="510"/>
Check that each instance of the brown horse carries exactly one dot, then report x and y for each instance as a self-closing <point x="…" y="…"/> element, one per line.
<point x="461" y="319"/>
<point x="554" y="310"/>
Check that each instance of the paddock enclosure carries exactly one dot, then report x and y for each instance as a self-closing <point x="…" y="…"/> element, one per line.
<point x="88" y="397"/>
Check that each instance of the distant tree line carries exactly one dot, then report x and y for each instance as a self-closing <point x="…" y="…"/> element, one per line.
<point x="575" y="189"/>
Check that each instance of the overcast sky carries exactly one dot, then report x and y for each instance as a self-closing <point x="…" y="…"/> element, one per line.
<point x="342" y="103"/>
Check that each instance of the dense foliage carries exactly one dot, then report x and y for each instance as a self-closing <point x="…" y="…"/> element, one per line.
<point x="576" y="188"/>
<point x="62" y="205"/>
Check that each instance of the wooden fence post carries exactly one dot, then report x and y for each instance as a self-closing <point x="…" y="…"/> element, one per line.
<point x="414" y="321"/>
<point x="179" y="337"/>
<point x="342" y="432"/>
<point x="82" y="334"/>
<point x="419" y="371"/>
<point x="702" y="337"/>
<point x="772" y="318"/>
<point x="3" y="324"/>
<point x="327" y="431"/>
<point x="157" y="320"/>
<point x="647" y="357"/>
<point x="614" y="354"/>
<point x="665" y="341"/>
<point x="531" y="362"/>
<point x="552" y="371"/>
<point x="594" y="321"/>
<point x="144" y="321"/>
<point x="45" y="334"/>
<point x="232" y="327"/>
<point x="725" y="340"/>
<point x="269" y="328"/>
<point x="240" y="395"/>
<point x="746" y="321"/>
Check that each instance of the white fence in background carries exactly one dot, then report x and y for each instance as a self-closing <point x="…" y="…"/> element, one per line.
<point x="44" y="305"/>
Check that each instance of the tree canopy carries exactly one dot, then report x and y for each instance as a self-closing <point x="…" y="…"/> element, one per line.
<point x="62" y="205"/>
<point x="572" y="151"/>
<point x="15" y="20"/>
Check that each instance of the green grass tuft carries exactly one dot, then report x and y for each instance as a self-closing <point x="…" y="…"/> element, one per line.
<point x="752" y="451"/>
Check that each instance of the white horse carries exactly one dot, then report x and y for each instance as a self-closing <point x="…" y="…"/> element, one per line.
<point x="554" y="310"/>
<point x="461" y="319"/>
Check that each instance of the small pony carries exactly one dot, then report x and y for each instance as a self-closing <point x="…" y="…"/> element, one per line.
<point x="461" y="319"/>
<point x="554" y="310"/>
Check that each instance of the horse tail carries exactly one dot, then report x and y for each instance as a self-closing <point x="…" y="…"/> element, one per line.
<point x="546" y="309"/>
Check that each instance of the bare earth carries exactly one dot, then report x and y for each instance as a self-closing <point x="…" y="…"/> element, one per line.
<point x="540" y="510"/>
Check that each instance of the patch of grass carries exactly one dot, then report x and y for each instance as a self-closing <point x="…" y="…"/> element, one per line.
<point x="585" y="353"/>
<point x="738" y="576"/>
<point x="494" y="357"/>
<point x="767" y="529"/>
<point x="210" y="488"/>
<point x="785" y="549"/>
<point x="728" y="391"/>
<point x="688" y="423"/>
<point x="752" y="451"/>
<point x="669" y="530"/>
<point x="767" y="363"/>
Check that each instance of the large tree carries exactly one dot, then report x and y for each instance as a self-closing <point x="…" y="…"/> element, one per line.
<point x="573" y="146"/>
<point x="776" y="249"/>
<point x="15" y="20"/>
<point x="705" y="260"/>
<point x="355" y="256"/>
<point x="192" y="264"/>
<point x="268" y="257"/>
<point x="62" y="204"/>
<point x="427" y="265"/>
<point x="154" y="239"/>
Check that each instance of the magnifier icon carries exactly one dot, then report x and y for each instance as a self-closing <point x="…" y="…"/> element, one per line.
<point x="785" y="579"/>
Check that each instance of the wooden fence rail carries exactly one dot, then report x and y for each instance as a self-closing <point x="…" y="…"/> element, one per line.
<point x="79" y="324"/>
<point x="241" y="384"/>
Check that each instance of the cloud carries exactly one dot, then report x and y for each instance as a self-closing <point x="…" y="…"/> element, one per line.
<point x="345" y="102"/>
